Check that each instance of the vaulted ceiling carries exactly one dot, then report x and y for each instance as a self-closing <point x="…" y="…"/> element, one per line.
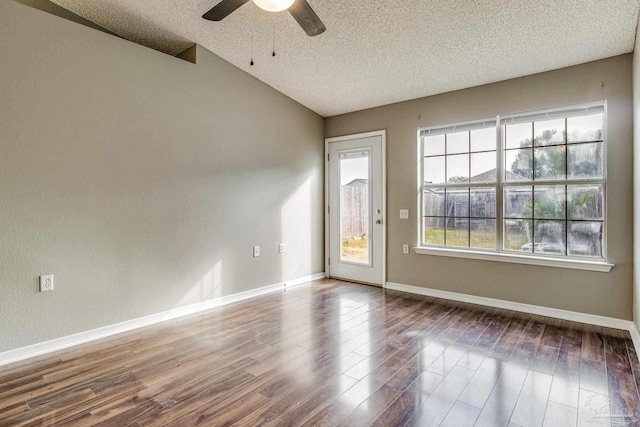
<point x="378" y="52"/>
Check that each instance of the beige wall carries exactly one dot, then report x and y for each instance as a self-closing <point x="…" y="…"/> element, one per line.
<point x="141" y="181"/>
<point x="606" y="294"/>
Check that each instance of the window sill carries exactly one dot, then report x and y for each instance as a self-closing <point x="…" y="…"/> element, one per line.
<point x="574" y="264"/>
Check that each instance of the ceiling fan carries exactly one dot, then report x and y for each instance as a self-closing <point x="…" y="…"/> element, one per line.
<point x="299" y="9"/>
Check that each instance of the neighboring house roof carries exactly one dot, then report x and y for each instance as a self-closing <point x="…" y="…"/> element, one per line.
<point x="490" y="175"/>
<point x="358" y="182"/>
<point x="514" y="177"/>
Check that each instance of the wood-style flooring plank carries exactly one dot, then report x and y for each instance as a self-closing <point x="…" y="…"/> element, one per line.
<point x="401" y="410"/>
<point x="317" y="401"/>
<point x="499" y="407"/>
<point x="532" y="403"/>
<point x="565" y="387"/>
<point x="558" y="415"/>
<point x="435" y="408"/>
<point x="593" y="343"/>
<point x="461" y="415"/>
<point x="477" y="392"/>
<point x="335" y="354"/>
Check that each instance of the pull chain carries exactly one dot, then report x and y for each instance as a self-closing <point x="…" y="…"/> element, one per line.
<point x="273" y="32"/>
<point x="253" y="14"/>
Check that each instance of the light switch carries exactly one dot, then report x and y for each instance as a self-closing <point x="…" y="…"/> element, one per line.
<point x="404" y="213"/>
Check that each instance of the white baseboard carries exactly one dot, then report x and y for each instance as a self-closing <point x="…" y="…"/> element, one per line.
<point x="591" y="319"/>
<point x="94" y="334"/>
<point x="635" y="337"/>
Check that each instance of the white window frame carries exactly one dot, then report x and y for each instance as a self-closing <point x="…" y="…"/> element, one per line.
<point x="499" y="254"/>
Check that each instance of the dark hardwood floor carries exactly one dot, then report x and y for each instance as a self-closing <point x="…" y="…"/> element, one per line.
<point x="334" y="353"/>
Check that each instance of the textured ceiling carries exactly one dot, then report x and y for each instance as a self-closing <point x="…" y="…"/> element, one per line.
<point x="378" y="52"/>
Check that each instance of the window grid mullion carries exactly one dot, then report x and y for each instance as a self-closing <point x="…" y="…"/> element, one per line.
<point x="566" y="187"/>
<point x="446" y="189"/>
<point x="533" y="219"/>
<point x="566" y="220"/>
<point x="556" y="182"/>
<point x="499" y="187"/>
<point x="461" y="185"/>
<point x="469" y="191"/>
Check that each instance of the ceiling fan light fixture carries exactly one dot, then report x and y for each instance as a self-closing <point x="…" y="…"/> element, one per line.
<point x="273" y="5"/>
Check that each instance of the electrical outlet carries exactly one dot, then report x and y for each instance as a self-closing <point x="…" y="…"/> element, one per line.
<point x="282" y="248"/>
<point x="256" y="251"/>
<point x="46" y="283"/>
<point x="405" y="249"/>
<point x="404" y="213"/>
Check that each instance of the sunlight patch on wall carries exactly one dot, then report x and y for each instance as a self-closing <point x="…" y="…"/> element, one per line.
<point x="296" y="233"/>
<point x="208" y="287"/>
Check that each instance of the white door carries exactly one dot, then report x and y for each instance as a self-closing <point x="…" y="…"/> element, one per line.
<point x="355" y="206"/>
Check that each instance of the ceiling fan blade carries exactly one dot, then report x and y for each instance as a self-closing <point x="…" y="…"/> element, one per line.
<point x="307" y="18"/>
<point x="223" y="9"/>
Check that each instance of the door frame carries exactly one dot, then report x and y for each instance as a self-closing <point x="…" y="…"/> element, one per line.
<point x="327" y="141"/>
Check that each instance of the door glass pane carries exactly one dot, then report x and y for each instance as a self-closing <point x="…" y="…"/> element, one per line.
<point x="354" y="207"/>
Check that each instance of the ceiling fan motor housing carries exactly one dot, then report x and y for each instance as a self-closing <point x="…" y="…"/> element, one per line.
<point x="273" y="5"/>
<point x="301" y="11"/>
